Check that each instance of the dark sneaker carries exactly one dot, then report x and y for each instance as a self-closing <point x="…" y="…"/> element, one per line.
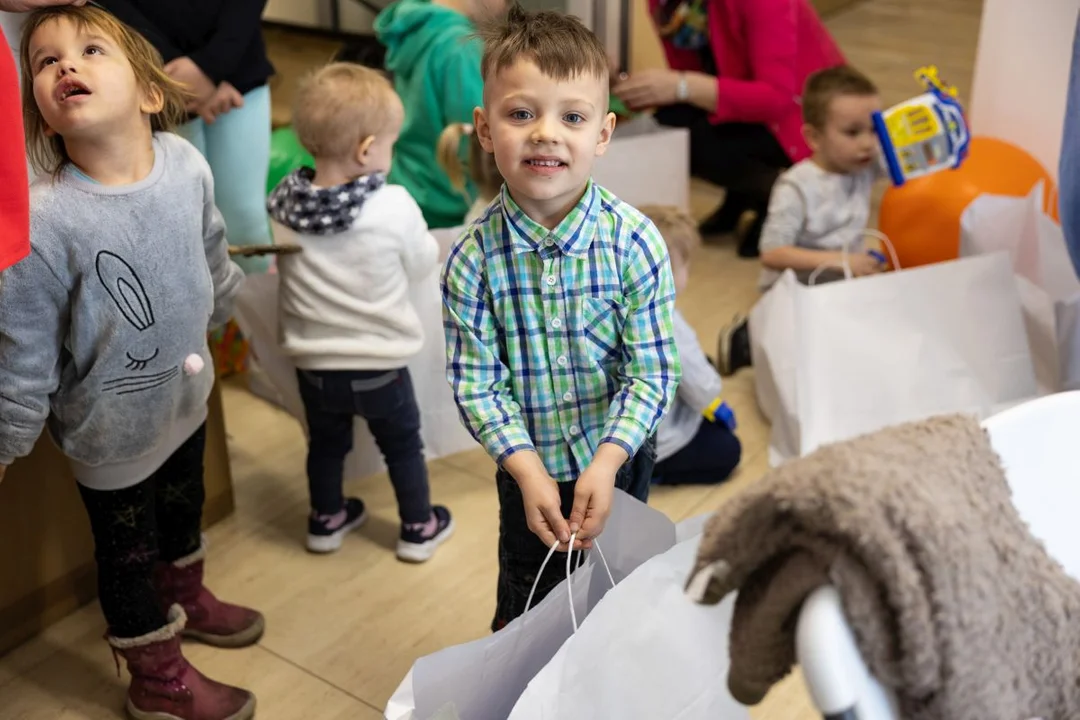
<point x="725" y="219"/>
<point x="419" y="541"/>
<point x="326" y="532"/>
<point x="750" y="236"/>
<point x="734" y="350"/>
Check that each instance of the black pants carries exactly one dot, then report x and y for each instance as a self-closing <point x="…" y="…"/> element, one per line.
<point x="521" y="553"/>
<point x="744" y="159"/>
<point x="134" y="528"/>
<point x="708" y="459"/>
<point x="385" y="399"/>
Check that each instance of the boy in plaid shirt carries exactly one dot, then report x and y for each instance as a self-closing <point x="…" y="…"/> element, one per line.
<point x="558" y="306"/>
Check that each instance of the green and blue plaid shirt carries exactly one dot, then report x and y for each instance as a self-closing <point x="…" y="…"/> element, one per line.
<point x="560" y="341"/>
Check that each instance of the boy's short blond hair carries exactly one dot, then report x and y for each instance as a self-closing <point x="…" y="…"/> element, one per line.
<point x="560" y="45"/>
<point x="339" y="105"/>
<point x="824" y="85"/>
<point x="678" y="229"/>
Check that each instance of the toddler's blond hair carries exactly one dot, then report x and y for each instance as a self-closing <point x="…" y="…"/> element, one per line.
<point x="678" y="229"/>
<point x="339" y="105"/>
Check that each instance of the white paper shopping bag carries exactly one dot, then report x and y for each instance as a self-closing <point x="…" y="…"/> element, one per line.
<point x="647" y="651"/>
<point x="440" y="424"/>
<point x="863" y="354"/>
<point x="1047" y="283"/>
<point x="481" y="680"/>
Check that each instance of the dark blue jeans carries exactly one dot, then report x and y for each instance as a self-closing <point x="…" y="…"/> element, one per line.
<point x="708" y="459"/>
<point x="521" y="553"/>
<point x="385" y="399"/>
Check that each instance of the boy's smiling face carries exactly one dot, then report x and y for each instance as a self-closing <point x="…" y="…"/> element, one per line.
<point x="545" y="134"/>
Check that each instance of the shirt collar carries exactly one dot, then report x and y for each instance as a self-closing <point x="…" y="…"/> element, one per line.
<point x="572" y="236"/>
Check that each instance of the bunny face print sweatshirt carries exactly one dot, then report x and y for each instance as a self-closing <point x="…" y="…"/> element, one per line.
<point x="103" y="326"/>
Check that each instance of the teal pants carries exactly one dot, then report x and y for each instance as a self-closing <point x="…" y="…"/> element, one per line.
<point x="237" y="146"/>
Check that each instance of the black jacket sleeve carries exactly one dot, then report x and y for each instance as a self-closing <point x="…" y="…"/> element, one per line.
<point x="130" y="13"/>
<point x="237" y="23"/>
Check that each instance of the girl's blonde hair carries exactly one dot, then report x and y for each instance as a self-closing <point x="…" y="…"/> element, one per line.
<point x="482" y="168"/>
<point x="47" y="153"/>
<point x="678" y="229"/>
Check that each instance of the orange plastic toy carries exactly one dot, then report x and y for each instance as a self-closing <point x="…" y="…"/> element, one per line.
<point x="922" y="217"/>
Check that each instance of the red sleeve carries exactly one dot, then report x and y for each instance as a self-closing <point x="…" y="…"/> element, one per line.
<point x="771" y="33"/>
<point x="14" y="195"/>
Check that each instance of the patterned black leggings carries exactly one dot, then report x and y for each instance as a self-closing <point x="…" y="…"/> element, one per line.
<point x="158" y="519"/>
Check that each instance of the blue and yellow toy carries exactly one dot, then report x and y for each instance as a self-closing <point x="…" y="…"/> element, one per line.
<point x="925" y="134"/>
<point x="720" y="412"/>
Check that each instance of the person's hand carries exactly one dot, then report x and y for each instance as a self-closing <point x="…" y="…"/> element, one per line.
<point x="3" y="469"/>
<point x="593" y="494"/>
<point x="186" y="72"/>
<point x="224" y="99"/>
<point x="864" y="264"/>
<point x="543" y="509"/>
<point x="28" y="5"/>
<point x="648" y="89"/>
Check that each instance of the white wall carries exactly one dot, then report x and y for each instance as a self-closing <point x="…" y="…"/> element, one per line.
<point x="1022" y="74"/>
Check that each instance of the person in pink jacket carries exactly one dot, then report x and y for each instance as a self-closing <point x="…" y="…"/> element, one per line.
<point x="737" y="68"/>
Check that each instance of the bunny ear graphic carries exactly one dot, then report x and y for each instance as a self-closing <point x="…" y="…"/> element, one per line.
<point x="125" y="289"/>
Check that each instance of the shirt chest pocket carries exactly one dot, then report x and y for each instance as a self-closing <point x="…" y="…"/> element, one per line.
<point x="600" y="321"/>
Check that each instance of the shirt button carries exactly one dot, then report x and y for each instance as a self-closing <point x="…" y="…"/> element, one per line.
<point x="573" y="429"/>
<point x="568" y="397"/>
<point x="561" y="360"/>
<point x="549" y="241"/>
<point x="556" y="323"/>
<point x="550" y="279"/>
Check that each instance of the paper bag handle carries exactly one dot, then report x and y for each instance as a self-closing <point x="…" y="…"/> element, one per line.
<point x="569" y="570"/>
<point x="846" y="267"/>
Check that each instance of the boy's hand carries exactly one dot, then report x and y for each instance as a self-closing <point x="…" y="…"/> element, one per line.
<point x="540" y="495"/>
<point x="864" y="264"/>
<point x="543" y="509"/>
<point x="593" y="493"/>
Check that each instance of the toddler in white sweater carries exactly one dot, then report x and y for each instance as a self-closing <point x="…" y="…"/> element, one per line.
<point x="346" y="320"/>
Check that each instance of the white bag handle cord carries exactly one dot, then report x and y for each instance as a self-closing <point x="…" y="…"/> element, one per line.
<point x="569" y="569"/>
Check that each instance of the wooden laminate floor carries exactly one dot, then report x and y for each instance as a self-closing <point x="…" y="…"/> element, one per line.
<point x="344" y="629"/>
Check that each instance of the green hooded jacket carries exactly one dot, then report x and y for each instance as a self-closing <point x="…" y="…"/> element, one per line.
<point x="435" y="61"/>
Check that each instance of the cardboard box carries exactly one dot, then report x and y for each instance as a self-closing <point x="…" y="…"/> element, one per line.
<point x="47" y="566"/>
<point x="647" y="164"/>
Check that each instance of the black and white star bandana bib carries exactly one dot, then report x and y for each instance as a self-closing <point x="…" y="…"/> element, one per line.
<point x="301" y="206"/>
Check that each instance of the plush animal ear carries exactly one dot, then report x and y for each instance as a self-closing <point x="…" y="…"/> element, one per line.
<point x="705" y="585"/>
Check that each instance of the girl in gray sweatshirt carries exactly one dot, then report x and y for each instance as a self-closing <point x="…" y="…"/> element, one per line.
<point x="103" y="340"/>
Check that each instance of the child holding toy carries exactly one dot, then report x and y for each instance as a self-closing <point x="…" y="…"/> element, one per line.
<point x="819" y="208"/>
<point x="696" y="441"/>
<point x="346" y="319"/>
<point x="558" y="307"/>
<point x="105" y="327"/>
<point x="434" y="56"/>
<point x="481" y="171"/>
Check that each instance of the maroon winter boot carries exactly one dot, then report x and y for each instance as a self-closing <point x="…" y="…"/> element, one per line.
<point x="165" y="687"/>
<point x="208" y="619"/>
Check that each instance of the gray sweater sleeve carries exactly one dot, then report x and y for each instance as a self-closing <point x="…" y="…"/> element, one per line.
<point x="226" y="274"/>
<point x="34" y="318"/>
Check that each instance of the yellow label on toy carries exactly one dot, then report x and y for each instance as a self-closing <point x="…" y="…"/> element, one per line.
<point x="911" y="125"/>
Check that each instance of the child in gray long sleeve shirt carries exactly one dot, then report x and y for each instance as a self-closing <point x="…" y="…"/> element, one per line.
<point x="103" y="336"/>
<point x="696" y="441"/>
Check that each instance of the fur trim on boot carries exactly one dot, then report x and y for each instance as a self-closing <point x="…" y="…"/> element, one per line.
<point x="164" y="686"/>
